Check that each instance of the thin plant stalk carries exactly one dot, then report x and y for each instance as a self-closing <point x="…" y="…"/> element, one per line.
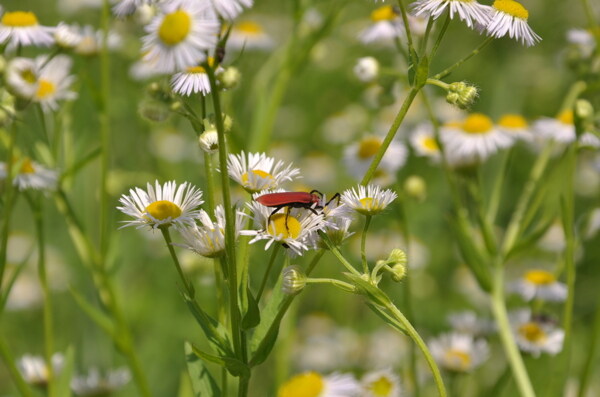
<point x="476" y="51"/>
<point x="189" y="289"/>
<point x="363" y="242"/>
<point x="9" y="201"/>
<point x="406" y="24"/>
<point x="7" y="357"/>
<point x="267" y="272"/>
<point x="440" y="36"/>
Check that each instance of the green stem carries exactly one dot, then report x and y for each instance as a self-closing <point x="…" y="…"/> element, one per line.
<point x="506" y="335"/>
<point x="337" y="283"/>
<point x="438" y="83"/>
<point x="363" y="242"/>
<point x="406" y="23"/>
<point x="414" y="335"/>
<point x="339" y="255"/>
<point x="425" y="39"/>
<point x="189" y="289"/>
<point x="476" y="51"/>
<point x="439" y="38"/>
<point x="13" y="370"/>
<point x="591" y="352"/>
<point x="267" y="272"/>
<point x="9" y="201"/>
<point x="390" y="135"/>
<point x="210" y="183"/>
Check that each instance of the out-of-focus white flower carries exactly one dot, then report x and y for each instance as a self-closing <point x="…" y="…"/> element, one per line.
<point x="67" y="36"/>
<point x="423" y="142"/>
<point x="459" y="352"/>
<point x="385" y="348"/>
<point x="509" y="17"/>
<point x="539" y="284"/>
<point x="583" y="39"/>
<point x="560" y="129"/>
<point x="467" y="322"/>
<point x="366" y="69"/>
<point x="536" y="335"/>
<point x="256" y="171"/>
<point x="359" y="156"/>
<point x="515" y="126"/>
<point x="312" y="384"/>
<point x="35" y="371"/>
<point x="21" y="28"/>
<point x="249" y="35"/>
<point x="32" y="175"/>
<point x="229" y="9"/>
<point x="96" y="384"/>
<point x="386" y="26"/>
<point x="381" y="383"/>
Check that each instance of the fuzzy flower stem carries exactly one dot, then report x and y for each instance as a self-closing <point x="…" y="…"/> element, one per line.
<point x="363" y="243"/>
<point x="189" y="289"/>
<point x="438" y="83"/>
<point x="267" y="272"/>
<point x="440" y="36"/>
<point x="506" y="336"/>
<point x="338" y="254"/>
<point x="9" y="361"/>
<point x="476" y="51"/>
<point x="390" y="135"/>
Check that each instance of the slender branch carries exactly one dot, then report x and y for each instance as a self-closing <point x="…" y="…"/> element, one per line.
<point x="476" y="51"/>
<point x="267" y="272"/>
<point x="439" y="38"/>
<point x="363" y="242"/>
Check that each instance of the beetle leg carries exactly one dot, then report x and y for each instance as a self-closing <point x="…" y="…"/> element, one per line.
<point x="273" y="213"/>
<point x="316" y="191"/>
<point x="287" y="216"/>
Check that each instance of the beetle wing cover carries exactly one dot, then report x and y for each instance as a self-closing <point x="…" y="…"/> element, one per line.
<point x="284" y="198"/>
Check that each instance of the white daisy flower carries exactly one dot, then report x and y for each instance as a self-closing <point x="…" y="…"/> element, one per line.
<point x="256" y="171"/>
<point x="312" y="384"/>
<point x="458" y="352"/>
<point x="92" y="40"/>
<point x="180" y="35"/>
<point x="515" y="126"/>
<point x="161" y="206"/>
<point x="368" y="200"/>
<point x="473" y="140"/>
<point x="539" y="284"/>
<point x="423" y="142"/>
<point x="21" y="77"/>
<point x="467" y="322"/>
<point x="193" y="81"/>
<point x="510" y="17"/>
<point x="97" y="384"/>
<point x="21" y="29"/>
<point x="53" y="81"/>
<point x="32" y="175"/>
<point x="229" y="9"/>
<point x="339" y="219"/>
<point x="385" y="348"/>
<point x="469" y="11"/>
<point x="583" y="39"/>
<point x="560" y="129"/>
<point x="128" y="7"/>
<point x="366" y="69"/>
<point x="35" y="371"/>
<point x="386" y="27"/>
<point x="536" y="335"/>
<point x="382" y="383"/>
<point x="589" y="140"/>
<point x="208" y="238"/>
<point x="294" y="228"/>
<point x="359" y="155"/>
<point x="249" y="35"/>
<point x="67" y="36"/>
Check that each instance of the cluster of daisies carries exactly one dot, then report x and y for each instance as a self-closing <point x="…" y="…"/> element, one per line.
<point x="502" y="18"/>
<point x="298" y="229"/>
<point x="35" y="372"/>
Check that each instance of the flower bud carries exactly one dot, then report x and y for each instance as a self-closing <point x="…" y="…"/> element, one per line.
<point x="209" y="141"/>
<point x="366" y="69"/>
<point x="293" y="280"/>
<point x="584" y="110"/>
<point x="397" y="261"/>
<point x="415" y="187"/>
<point x="230" y="77"/>
<point x="461" y="94"/>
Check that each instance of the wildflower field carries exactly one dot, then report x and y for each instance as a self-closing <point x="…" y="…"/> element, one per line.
<point x="299" y="198"/>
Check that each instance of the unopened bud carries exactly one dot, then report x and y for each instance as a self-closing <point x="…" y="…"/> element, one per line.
<point x="397" y="262"/>
<point x="230" y="77"/>
<point x="461" y="94"/>
<point x="584" y="110"/>
<point x="209" y="141"/>
<point x="398" y="273"/>
<point x="293" y="280"/>
<point x="415" y="187"/>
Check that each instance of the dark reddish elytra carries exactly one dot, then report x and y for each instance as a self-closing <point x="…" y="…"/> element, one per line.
<point x="277" y="201"/>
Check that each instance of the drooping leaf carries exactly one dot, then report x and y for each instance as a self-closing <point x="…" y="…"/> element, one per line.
<point x="203" y="384"/>
<point x="215" y="332"/>
<point x="252" y="317"/>
<point x="62" y="385"/>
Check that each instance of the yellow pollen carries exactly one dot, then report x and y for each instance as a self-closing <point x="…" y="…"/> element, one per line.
<point x="368" y="147"/>
<point x="278" y="226"/>
<point x="458" y="359"/>
<point x="477" y="123"/>
<point x="511" y="8"/>
<point x="512" y="121"/>
<point x="29" y="76"/>
<point x="381" y="387"/>
<point x="367" y="203"/>
<point x="163" y="209"/>
<point x="309" y="384"/>
<point x="565" y="117"/>
<point x="175" y="27"/>
<point x="532" y="332"/>
<point x="45" y="89"/>
<point x="27" y="167"/>
<point x="385" y="13"/>
<point x="261" y="174"/>
<point x="195" y="69"/>
<point x="539" y="277"/>
<point x="19" y="19"/>
<point x="251" y="28"/>
<point x="430" y="144"/>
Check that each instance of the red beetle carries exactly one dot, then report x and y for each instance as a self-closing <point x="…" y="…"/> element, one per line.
<point x="309" y="201"/>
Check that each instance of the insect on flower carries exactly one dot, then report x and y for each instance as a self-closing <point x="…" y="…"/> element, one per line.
<point x="309" y="201"/>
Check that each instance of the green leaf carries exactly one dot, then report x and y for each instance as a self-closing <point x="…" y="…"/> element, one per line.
<point x="96" y="315"/>
<point x="233" y="365"/>
<point x="203" y="383"/>
<point x="412" y="67"/>
<point x="252" y="317"/>
<point x="62" y="385"/>
<point x="185" y="386"/>
<point x="215" y="332"/>
<point x="387" y="318"/>
<point x="422" y="72"/>
<point x="376" y="295"/>
<point x="73" y="169"/>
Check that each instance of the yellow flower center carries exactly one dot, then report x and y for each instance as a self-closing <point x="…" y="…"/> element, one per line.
<point x="381" y="387"/>
<point x="250" y="28"/>
<point x="458" y="359"/>
<point x="511" y="8"/>
<point x="565" y="117"/>
<point x="385" y="13"/>
<point x="45" y="89"/>
<point x="477" y="123"/>
<point x="532" y="332"/>
<point x="309" y="384"/>
<point x="19" y="19"/>
<point x="539" y="277"/>
<point x="261" y="174"/>
<point x="453" y="124"/>
<point x="288" y="228"/>
<point x="367" y="203"/>
<point x="29" y="76"/>
<point x="196" y="69"/>
<point x="368" y="147"/>
<point x="512" y="121"/>
<point x="430" y="144"/>
<point x="163" y="209"/>
<point x="175" y="27"/>
<point x="27" y="167"/>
